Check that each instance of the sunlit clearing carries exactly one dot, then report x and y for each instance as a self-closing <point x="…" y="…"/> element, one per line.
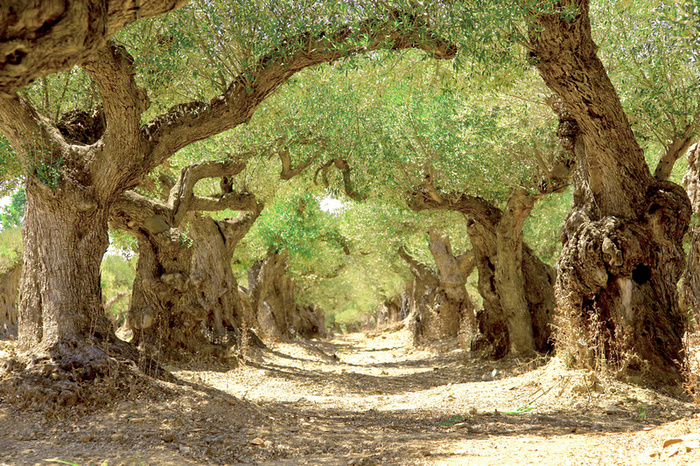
<point x="331" y="204"/>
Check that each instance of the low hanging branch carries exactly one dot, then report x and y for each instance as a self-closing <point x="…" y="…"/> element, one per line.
<point x="186" y="123"/>
<point x="344" y="167"/>
<point x="133" y="211"/>
<point x="287" y="171"/>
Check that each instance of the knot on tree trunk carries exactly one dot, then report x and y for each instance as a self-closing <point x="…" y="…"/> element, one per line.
<point x="602" y="250"/>
<point x="617" y="295"/>
<point x="82" y="126"/>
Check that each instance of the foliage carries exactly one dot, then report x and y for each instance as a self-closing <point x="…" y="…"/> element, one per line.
<point x="654" y="66"/>
<point x="346" y="260"/>
<point x="117" y="278"/>
<point x="12" y="214"/>
<point x="10" y="247"/>
<point x="9" y="167"/>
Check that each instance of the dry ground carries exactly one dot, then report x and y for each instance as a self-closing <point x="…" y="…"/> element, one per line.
<point x="365" y="400"/>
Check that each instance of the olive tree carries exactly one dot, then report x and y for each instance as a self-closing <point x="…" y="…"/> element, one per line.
<point x="71" y="186"/>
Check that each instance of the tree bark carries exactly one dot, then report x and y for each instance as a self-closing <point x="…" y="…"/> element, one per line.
<point x="439" y="304"/>
<point x="517" y="288"/>
<point x="273" y="300"/>
<point x="185" y="298"/>
<point x="38" y="38"/>
<point x="424" y="323"/>
<point x="456" y="310"/>
<point x="623" y="252"/>
<point x="9" y="293"/>
<point x="61" y="316"/>
<point x="691" y="279"/>
<point x="510" y="280"/>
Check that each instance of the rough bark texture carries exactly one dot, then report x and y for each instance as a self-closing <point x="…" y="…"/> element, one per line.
<point x="40" y="37"/>
<point x="72" y="184"/>
<point x="456" y="308"/>
<point x="691" y="279"/>
<point x="439" y="306"/>
<point x="9" y="292"/>
<point x="510" y="280"/>
<point x="517" y="288"/>
<point x="389" y="312"/>
<point x="61" y="314"/>
<point x="273" y="300"/>
<point x="623" y="250"/>
<point x="185" y="297"/>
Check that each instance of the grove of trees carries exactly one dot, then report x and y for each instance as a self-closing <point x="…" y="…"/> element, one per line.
<point x="510" y="138"/>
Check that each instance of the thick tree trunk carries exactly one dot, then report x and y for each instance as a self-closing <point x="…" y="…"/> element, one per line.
<point x="439" y="304"/>
<point x="9" y="293"/>
<point x="424" y="323"/>
<point x="510" y="281"/>
<point x="273" y="300"/>
<point x="491" y="320"/>
<point x="185" y="297"/>
<point x="457" y="311"/>
<point x="61" y="315"/>
<point x="164" y="315"/>
<point x="420" y="320"/>
<point x="623" y="252"/>
<point x="691" y="279"/>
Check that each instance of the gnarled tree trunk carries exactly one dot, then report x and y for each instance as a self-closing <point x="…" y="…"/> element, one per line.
<point x="517" y="288"/>
<point x="623" y="252"/>
<point x="185" y="297"/>
<point x="61" y="314"/>
<point x="389" y="311"/>
<point x="440" y="305"/>
<point x="273" y="300"/>
<point x="691" y="279"/>
<point x="454" y="304"/>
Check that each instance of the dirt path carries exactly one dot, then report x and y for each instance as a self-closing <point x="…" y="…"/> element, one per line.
<point x="360" y="400"/>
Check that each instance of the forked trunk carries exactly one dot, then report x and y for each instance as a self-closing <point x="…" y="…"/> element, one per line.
<point x="454" y="306"/>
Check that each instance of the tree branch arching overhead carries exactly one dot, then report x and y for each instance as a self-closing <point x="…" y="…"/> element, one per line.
<point x="194" y="121"/>
<point x="40" y="37"/>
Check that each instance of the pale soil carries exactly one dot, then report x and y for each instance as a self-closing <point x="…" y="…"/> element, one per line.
<point x="366" y="400"/>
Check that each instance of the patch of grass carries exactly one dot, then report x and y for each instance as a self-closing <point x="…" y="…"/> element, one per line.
<point x="641" y="412"/>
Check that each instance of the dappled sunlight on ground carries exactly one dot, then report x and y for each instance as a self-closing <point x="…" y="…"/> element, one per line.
<point x="362" y="400"/>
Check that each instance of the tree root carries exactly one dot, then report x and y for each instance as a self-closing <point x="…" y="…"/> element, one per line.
<point x="79" y="377"/>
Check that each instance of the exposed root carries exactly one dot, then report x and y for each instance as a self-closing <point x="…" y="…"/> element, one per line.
<point x="78" y="377"/>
